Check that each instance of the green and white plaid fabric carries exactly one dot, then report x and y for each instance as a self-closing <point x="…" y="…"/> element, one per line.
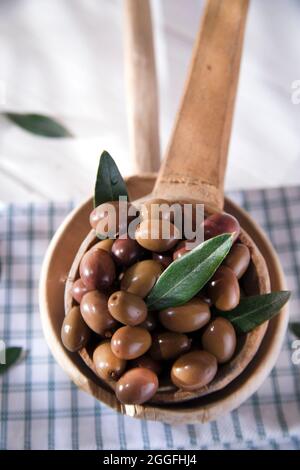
<point x="41" y="409"/>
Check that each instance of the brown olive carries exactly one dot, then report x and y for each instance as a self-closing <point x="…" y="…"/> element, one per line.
<point x="110" y="219"/>
<point x="97" y="269"/>
<point x="168" y="345"/>
<point x="137" y="386"/>
<point x="105" y="245"/>
<point x="108" y="366"/>
<point x="157" y="235"/>
<point x="129" y="342"/>
<point x="150" y="322"/>
<point x="223" y="289"/>
<point x="219" y="223"/>
<point x="186" y="318"/>
<point x="94" y="311"/>
<point x="127" y="251"/>
<point x="74" y="332"/>
<point x="238" y="259"/>
<point x="147" y="362"/>
<point x="165" y="259"/>
<point x="194" y="370"/>
<point x="78" y="290"/>
<point x="219" y="339"/>
<point x="127" y="308"/>
<point x="141" y="277"/>
<point x="156" y="209"/>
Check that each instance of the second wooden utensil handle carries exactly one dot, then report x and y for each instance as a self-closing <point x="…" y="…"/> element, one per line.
<point x="196" y="158"/>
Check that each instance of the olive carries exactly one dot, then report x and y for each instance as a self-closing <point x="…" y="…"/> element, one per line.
<point x="105" y="245"/>
<point x="78" y="290"/>
<point x="180" y="250"/>
<point x="165" y="259"/>
<point x="219" y="223"/>
<point x="137" y="386"/>
<point x="147" y="362"/>
<point x="219" y="339"/>
<point x="94" y="311"/>
<point x="74" y="332"/>
<point x="127" y="308"/>
<point x="108" y="366"/>
<point x="185" y="318"/>
<point x="238" y="259"/>
<point x="194" y="370"/>
<point x="129" y="342"/>
<point x="223" y="289"/>
<point x="204" y="297"/>
<point x="127" y="251"/>
<point x="111" y="218"/>
<point x="97" y="269"/>
<point x="141" y="277"/>
<point x="150" y="322"/>
<point x="168" y="345"/>
<point x="156" y="209"/>
<point x="157" y="235"/>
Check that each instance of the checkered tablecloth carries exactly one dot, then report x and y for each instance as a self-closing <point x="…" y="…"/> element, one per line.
<point x="41" y="409"/>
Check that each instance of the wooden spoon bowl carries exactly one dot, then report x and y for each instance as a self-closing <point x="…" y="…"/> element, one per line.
<point x="54" y="276"/>
<point x="255" y="281"/>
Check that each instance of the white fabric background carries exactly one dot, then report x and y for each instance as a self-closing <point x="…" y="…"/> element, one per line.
<point x="64" y="58"/>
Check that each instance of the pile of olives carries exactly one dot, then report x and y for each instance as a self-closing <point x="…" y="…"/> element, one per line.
<point x="136" y="347"/>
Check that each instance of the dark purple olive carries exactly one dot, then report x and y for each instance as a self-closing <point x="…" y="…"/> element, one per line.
<point x="127" y="251"/>
<point x="78" y="290"/>
<point x="165" y="259"/>
<point x="220" y="223"/>
<point x="168" y="345"/>
<point x="97" y="269"/>
<point x="148" y="363"/>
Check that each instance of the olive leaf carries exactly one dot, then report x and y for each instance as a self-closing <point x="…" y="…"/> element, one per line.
<point x="38" y="124"/>
<point x="255" y="310"/>
<point x="109" y="183"/>
<point x="295" y="328"/>
<point x="187" y="275"/>
<point x="12" y="355"/>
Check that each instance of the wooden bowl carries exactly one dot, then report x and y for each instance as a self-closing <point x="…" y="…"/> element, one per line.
<point x="231" y="388"/>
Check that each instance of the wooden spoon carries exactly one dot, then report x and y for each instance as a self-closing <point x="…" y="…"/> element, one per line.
<point x="196" y="160"/>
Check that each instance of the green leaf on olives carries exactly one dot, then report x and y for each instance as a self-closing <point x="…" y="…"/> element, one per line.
<point x="255" y="310"/>
<point x="109" y="183"/>
<point x="187" y="275"/>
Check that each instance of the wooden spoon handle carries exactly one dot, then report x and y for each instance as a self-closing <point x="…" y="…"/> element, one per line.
<point x="141" y="86"/>
<point x="195" y="163"/>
